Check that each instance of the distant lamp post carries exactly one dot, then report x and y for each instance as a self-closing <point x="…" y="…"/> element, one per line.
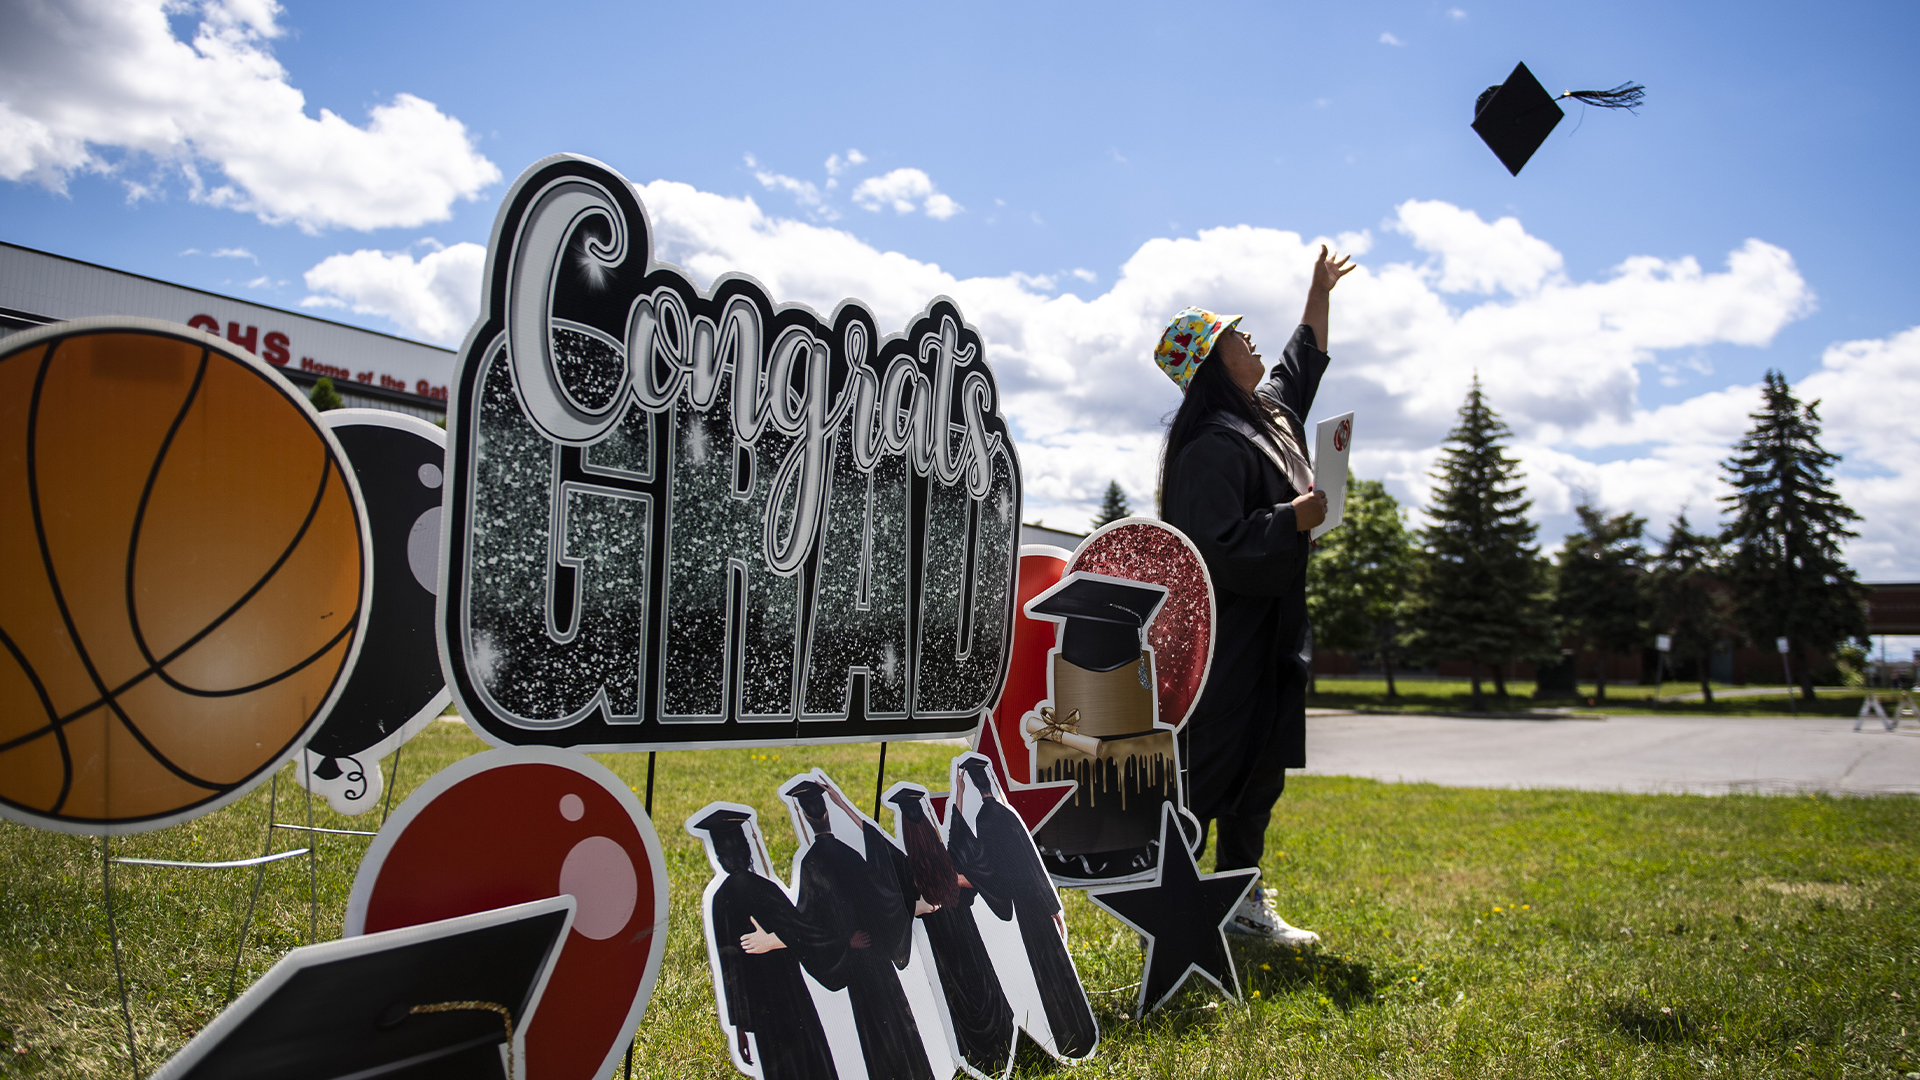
<point x="1663" y="642"/>
<point x="1787" y="666"/>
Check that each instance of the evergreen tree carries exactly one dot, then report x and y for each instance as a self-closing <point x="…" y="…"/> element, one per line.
<point x="1480" y="588"/>
<point x="1358" y="576"/>
<point x="1690" y="598"/>
<point x="1113" y="507"/>
<point x="1784" y="540"/>
<point x="1600" y="592"/>
<point x="324" y="396"/>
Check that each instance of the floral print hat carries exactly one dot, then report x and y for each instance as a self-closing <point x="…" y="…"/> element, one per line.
<point x="1188" y="340"/>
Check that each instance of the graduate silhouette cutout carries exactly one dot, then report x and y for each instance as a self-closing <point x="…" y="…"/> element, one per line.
<point x="855" y="928"/>
<point x="763" y="996"/>
<point x="943" y="901"/>
<point x="991" y="848"/>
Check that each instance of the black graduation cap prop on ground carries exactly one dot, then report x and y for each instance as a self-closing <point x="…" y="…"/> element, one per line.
<point x="1515" y="117"/>
<point x="1104" y="617"/>
<point x="1183" y="914"/>
<point x="440" y="999"/>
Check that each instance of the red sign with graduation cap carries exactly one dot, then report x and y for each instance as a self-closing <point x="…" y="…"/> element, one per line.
<point x="510" y="826"/>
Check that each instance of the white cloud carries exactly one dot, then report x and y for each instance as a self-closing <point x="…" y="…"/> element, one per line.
<point x="900" y="189"/>
<point x="804" y="192"/>
<point x="1475" y="256"/>
<point x="1085" y="275"/>
<point x="96" y="85"/>
<point x="1388" y="39"/>
<point x="1456" y="13"/>
<point x="434" y="298"/>
<point x="837" y="164"/>
<point x="235" y="253"/>
<point x="1560" y="359"/>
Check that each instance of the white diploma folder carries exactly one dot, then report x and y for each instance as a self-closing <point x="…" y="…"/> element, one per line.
<point x="1332" y="442"/>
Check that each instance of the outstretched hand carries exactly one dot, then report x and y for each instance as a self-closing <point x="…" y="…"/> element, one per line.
<point x="1329" y="268"/>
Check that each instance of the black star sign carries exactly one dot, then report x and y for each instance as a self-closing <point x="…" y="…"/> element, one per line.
<point x="1183" y="914"/>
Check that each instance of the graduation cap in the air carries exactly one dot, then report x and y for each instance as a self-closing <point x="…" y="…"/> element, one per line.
<point x="1101" y="617"/>
<point x="1515" y="117"/>
<point x="441" y="999"/>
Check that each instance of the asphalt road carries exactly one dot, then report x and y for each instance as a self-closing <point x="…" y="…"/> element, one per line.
<point x="1700" y="755"/>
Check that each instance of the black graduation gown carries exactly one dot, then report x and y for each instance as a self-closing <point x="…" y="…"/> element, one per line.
<point x="1000" y="862"/>
<point x="765" y="993"/>
<point x="982" y="1019"/>
<point x="1250" y="723"/>
<point x="841" y="894"/>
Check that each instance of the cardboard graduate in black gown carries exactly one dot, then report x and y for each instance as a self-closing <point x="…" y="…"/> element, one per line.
<point x="395" y="688"/>
<point x="441" y="999"/>
<point x="992" y="849"/>
<point x="763" y="995"/>
<point x="983" y="1024"/>
<point x="856" y="932"/>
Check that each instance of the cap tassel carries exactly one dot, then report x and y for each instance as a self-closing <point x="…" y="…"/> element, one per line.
<point x="1628" y="96"/>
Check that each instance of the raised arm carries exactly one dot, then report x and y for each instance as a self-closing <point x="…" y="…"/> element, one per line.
<point x="1328" y="269"/>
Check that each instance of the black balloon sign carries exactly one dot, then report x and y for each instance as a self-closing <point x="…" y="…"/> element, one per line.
<point x="679" y="517"/>
<point x="396" y="688"/>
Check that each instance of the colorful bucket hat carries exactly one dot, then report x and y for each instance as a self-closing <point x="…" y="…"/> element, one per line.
<point x="1189" y="339"/>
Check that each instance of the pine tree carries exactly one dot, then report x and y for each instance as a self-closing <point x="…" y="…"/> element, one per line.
<point x="1784" y="540"/>
<point x="1691" y="601"/>
<point x="1600" y="591"/>
<point x="1113" y="507"/>
<point x="1357" y="578"/>
<point x="324" y="396"/>
<point x="1480" y="589"/>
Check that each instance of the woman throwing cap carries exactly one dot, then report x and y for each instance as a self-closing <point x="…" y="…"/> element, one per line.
<point x="1234" y="476"/>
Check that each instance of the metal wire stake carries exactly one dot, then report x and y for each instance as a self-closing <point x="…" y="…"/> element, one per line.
<point x="393" y="781"/>
<point x="650" y="757"/>
<point x="113" y="938"/>
<point x="879" y="781"/>
<point x="259" y="876"/>
<point x="313" y="871"/>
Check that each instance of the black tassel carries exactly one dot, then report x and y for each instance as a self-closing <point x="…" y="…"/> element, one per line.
<point x="1627" y="96"/>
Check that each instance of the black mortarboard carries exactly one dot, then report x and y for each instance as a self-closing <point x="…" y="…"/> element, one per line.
<point x="908" y="799"/>
<point x="722" y="820"/>
<point x="810" y="794"/>
<point x="422" y="1001"/>
<point x="980" y="772"/>
<point x="1515" y="117"/>
<point x="1103" y="616"/>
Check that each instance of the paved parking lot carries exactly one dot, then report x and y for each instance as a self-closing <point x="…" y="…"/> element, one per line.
<point x="1703" y="755"/>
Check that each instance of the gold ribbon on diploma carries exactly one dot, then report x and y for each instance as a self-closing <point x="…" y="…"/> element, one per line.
<point x="1046" y="724"/>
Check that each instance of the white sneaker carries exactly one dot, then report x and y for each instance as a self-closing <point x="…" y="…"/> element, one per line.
<point x="1255" y="917"/>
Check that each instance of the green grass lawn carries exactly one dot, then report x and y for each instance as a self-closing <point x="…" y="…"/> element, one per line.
<point x="1456" y="695"/>
<point x="1468" y="933"/>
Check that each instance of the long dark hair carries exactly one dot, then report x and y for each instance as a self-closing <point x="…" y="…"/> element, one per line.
<point x="1212" y="390"/>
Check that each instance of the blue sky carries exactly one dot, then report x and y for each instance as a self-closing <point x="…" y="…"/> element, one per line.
<point x="1123" y="141"/>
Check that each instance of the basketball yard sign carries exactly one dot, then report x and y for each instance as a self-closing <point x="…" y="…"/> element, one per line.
<point x="188" y="574"/>
<point x="679" y="517"/>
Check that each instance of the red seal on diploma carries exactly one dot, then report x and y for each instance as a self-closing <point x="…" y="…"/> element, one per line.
<point x="1341" y="434"/>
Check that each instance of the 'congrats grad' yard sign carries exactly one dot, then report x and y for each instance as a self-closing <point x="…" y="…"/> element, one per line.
<point x="679" y="518"/>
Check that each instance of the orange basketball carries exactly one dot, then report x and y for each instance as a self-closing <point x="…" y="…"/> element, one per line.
<point x="185" y="574"/>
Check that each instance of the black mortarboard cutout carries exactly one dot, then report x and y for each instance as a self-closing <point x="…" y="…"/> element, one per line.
<point x="1515" y="117"/>
<point x="433" y="1000"/>
<point x="722" y="820"/>
<point x="810" y="794"/>
<point x="980" y="773"/>
<point x="1103" y="617"/>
